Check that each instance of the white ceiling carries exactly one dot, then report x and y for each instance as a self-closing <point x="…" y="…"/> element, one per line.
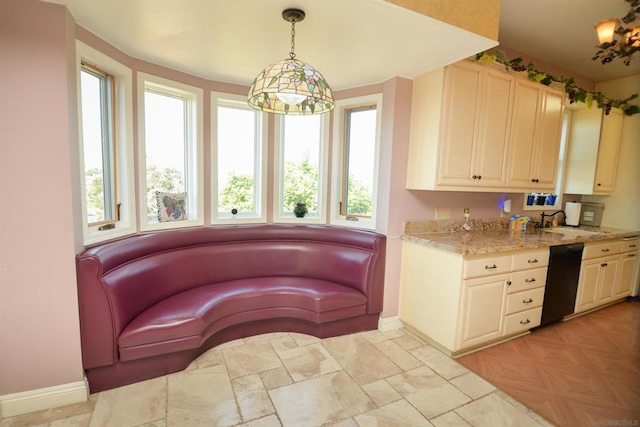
<point x="352" y="42"/>
<point x="560" y="32"/>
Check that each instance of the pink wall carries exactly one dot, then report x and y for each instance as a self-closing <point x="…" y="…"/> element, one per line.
<point x="39" y="337"/>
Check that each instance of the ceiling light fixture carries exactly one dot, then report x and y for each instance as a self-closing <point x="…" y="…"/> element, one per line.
<point x="291" y="86"/>
<point x="619" y="38"/>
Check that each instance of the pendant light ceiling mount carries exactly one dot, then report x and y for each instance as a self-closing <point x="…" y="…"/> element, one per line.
<point x="291" y="86"/>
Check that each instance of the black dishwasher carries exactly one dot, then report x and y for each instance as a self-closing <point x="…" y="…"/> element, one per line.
<point x="562" y="282"/>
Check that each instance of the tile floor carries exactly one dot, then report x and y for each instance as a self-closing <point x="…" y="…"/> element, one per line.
<point x="287" y="379"/>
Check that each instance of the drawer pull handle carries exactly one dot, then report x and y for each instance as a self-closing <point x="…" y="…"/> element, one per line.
<point x="490" y="267"/>
<point x="524" y="323"/>
<point x="530" y="280"/>
<point x="632" y="255"/>
<point x="606" y="250"/>
<point x="604" y="264"/>
<point x="632" y="246"/>
<point x="532" y="261"/>
<point x="527" y="301"/>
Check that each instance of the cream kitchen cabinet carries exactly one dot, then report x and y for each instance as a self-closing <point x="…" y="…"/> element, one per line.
<point x="459" y="303"/>
<point x="593" y="151"/>
<point x="629" y="268"/>
<point x="460" y="120"/>
<point x="599" y="275"/>
<point x="535" y="136"/>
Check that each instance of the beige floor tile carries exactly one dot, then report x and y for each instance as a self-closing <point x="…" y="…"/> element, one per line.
<point x="303" y="339"/>
<point x="409" y="342"/>
<point x="45" y="416"/>
<point x="349" y="422"/>
<point x="450" y="419"/>
<point x="268" y="421"/>
<point x="396" y="414"/>
<point x="377" y="336"/>
<point x="201" y="397"/>
<point x="283" y="343"/>
<point x="360" y="358"/>
<point x="314" y="402"/>
<point x="309" y="361"/>
<point x="381" y="392"/>
<point x="405" y="360"/>
<point x="428" y="392"/>
<point x="439" y="362"/>
<point x="472" y="385"/>
<point x="275" y="378"/>
<point x="253" y="399"/>
<point x="131" y="405"/>
<point x="212" y="357"/>
<point x="76" y="421"/>
<point x="523" y="408"/>
<point x="251" y="359"/>
<point x="265" y="337"/>
<point x="493" y="411"/>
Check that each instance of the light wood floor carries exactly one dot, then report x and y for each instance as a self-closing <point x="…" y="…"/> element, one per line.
<point x="582" y="372"/>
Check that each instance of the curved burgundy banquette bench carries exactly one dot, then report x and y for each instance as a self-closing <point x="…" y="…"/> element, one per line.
<point x="151" y="303"/>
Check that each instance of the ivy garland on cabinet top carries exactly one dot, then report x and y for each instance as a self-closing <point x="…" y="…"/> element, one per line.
<point x="575" y="93"/>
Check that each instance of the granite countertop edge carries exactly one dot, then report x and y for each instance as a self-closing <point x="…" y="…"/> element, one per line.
<point x="488" y="242"/>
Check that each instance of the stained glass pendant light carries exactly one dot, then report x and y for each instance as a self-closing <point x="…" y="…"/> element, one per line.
<point x="291" y="86"/>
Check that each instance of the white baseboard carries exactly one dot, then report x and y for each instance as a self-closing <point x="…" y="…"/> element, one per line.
<point x="389" y="323"/>
<point x="43" y="398"/>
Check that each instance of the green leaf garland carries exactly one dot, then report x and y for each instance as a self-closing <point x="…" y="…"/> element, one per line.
<point x="575" y="93"/>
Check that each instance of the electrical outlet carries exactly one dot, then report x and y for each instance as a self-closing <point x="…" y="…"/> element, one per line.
<point x="467" y="213"/>
<point x="443" y="213"/>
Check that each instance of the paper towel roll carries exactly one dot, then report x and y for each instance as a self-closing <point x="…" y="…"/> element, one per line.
<point x="572" y="209"/>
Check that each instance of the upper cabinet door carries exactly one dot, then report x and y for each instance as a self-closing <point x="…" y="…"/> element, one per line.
<point x="459" y="122"/>
<point x="536" y="129"/>
<point x="608" y="152"/>
<point x="493" y="130"/>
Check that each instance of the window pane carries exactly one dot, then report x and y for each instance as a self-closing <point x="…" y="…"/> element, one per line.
<point x="237" y="142"/>
<point x="359" y="162"/>
<point x="97" y="146"/>
<point x="165" y="145"/>
<point x="301" y="158"/>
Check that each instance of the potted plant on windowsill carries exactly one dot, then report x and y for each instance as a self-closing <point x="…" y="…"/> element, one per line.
<point x="300" y="210"/>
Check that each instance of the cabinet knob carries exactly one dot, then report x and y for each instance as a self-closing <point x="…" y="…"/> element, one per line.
<point x="599" y="184"/>
<point x="524" y="323"/>
<point x="528" y="301"/>
<point x="508" y="282"/>
<point x="604" y="264"/>
<point x="490" y="267"/>
<point x="475" y="177"/>
<point x="479" y="176"/>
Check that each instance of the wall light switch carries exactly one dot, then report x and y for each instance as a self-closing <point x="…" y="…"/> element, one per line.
<point x="443" y="213"/>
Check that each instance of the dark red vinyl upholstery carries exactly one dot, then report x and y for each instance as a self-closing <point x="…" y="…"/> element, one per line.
<point x="163" y="298"/>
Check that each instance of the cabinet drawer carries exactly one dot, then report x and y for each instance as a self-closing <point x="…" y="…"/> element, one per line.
<point x="594" y="250"/>
<point x="530" y="259"/>
<point x="522" y="321"/>
<point x="630" y="245"/>
<point x="524" y="300"/>
<point x="486" y="266"/>
<point x="527" y="279"/>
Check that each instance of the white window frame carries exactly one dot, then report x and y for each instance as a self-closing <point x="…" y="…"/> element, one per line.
<point x="338" y="158"/>
<point x="288" y="217"/>
<point x="260" y="161"/>
<point x="194" y="181"/>
<point x="123" y="119"/>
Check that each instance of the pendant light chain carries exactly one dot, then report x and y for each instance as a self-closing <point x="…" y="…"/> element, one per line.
<point x="292" y="54"/>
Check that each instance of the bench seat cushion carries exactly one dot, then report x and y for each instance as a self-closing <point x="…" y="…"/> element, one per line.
<point x="187" y="319"/>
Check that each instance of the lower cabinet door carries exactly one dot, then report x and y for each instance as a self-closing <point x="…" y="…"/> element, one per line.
<point x="608" y="279"/>
<point x="483" y="306"/>
<point x="628" y="274"/>
<point x="520" y="322"/>
<point x="588" y="285"/>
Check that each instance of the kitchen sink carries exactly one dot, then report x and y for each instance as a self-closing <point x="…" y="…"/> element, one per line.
<point x="572" y="231"/>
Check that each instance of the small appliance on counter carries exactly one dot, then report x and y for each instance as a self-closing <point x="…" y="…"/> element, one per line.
<point x="591" y="214"/>
<point x="572" y="213"/>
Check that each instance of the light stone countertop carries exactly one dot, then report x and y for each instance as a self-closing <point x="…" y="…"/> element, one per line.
<point x="490" y="240"/>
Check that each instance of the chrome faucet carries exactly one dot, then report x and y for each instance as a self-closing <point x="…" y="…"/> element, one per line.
<point x="543" y="224"/>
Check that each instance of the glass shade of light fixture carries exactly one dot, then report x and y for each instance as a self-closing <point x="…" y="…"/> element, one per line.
<point x="291" y="86"/>
<point x="606" y="30"/>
